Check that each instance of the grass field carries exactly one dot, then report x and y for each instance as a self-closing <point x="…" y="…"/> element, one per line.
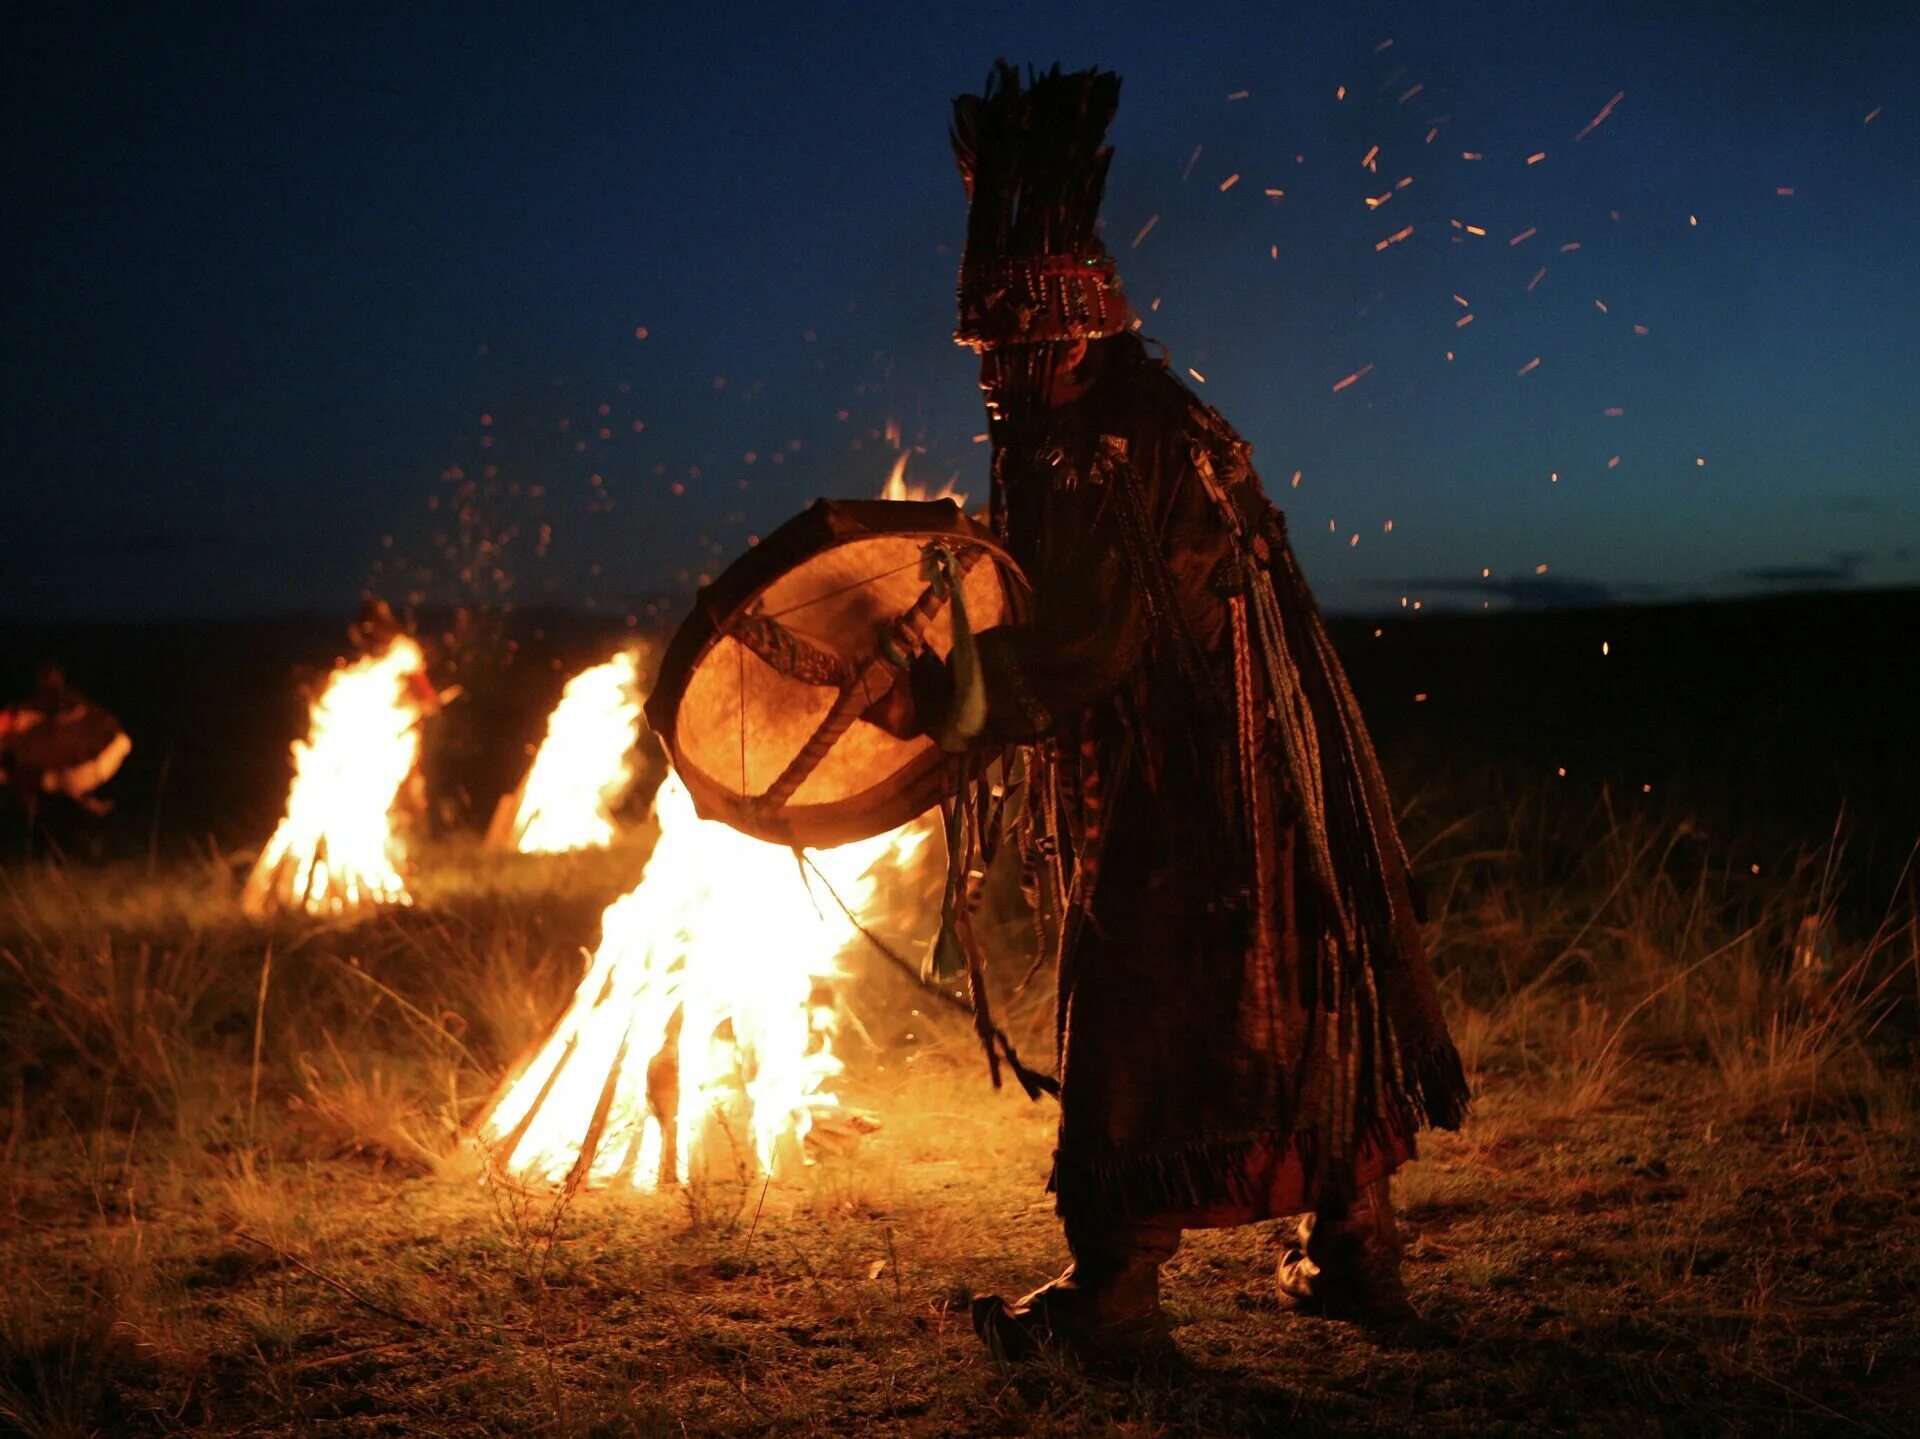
<point x="236" y="1201"/>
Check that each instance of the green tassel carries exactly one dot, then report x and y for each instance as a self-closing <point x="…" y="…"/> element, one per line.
<point x="967" y="713"/>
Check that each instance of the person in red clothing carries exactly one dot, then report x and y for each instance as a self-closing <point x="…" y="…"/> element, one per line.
<point x="60" y="742"/>
<point x="1248" y="1027"/>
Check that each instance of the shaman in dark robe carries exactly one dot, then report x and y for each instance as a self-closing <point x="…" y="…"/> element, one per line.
<point x="1248" y="1026"/>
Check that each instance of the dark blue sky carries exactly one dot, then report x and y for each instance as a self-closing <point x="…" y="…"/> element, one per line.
<point x="264" y="276"/>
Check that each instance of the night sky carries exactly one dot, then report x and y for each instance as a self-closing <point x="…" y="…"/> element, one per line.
<point x="561" y="304"/>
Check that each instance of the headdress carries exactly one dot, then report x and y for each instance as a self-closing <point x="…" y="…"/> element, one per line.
<point x="1035" y="165"/>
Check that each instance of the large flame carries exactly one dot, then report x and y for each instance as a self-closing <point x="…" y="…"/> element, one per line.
<point x="337" y="847"/>
<point x="697" y="1036"/>
<point x="585" y="765"/>
<point x="695" y="1029"/>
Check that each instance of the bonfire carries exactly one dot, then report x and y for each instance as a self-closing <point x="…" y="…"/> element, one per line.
<point x="338" y="848"/>
<point x="700" y="1035"/>
<point x="584" y="766"/>
<point x="703" y="1028"/>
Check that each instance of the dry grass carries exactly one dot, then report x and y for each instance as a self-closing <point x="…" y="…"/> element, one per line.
<point x="236" y="1203"/>
<point x="1574" y="940"/>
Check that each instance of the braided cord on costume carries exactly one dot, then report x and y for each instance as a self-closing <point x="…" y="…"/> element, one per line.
<point x="1247" y="725"/>
<point x="1370" y="917"/>
<point x="1148" y="566"/>
<point x="1287" y="697"/>
<point x="1301" y="738"/>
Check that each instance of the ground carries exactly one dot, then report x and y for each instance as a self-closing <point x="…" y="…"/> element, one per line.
<point x="1578" y="1274"/>
<point x="238" y="1201"/>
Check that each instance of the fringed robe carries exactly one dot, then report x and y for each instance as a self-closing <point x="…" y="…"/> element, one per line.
<point x="1248" y="1025"/>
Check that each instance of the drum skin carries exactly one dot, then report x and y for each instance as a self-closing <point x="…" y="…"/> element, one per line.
<point x="789" y="636"/>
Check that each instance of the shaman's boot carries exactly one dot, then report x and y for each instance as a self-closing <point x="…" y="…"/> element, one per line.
<point x="1105" y="1309"/>
<point x="1345" y="1263"/>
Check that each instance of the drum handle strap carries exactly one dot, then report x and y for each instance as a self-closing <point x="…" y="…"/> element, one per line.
<point x="967" y="714"/>
<point x="904" y="636"/>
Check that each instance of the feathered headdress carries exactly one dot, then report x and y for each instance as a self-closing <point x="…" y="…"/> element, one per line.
<point x="1034" y="162"/>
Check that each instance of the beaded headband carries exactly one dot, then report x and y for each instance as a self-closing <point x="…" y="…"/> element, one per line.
<point x="1034" y="162"/>
<point x="1048" y="297"/>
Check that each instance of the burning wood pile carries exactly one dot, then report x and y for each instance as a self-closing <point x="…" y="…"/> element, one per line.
<point x="338" y="847"/>
<point x="700" y="1035"/>
<point x="584" y="766"/>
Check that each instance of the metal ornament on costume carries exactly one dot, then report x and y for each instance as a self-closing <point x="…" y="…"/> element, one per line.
<point x="1047" y="298"/>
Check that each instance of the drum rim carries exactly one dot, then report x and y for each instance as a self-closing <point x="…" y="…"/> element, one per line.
<point x="823" y="525"/>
